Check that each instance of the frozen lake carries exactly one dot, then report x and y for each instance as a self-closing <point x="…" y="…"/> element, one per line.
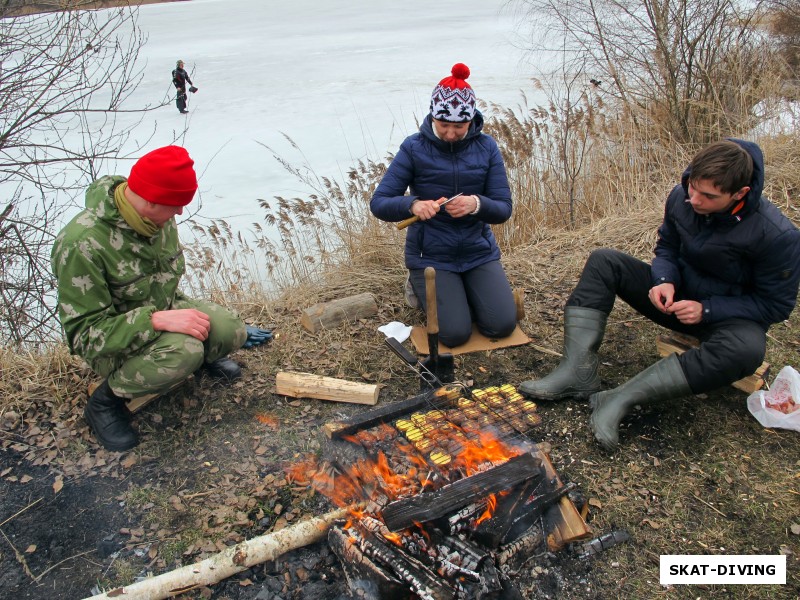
<point x="343" y="81"/>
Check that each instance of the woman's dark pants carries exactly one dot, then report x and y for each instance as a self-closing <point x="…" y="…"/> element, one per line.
<point x="482" y="295"/>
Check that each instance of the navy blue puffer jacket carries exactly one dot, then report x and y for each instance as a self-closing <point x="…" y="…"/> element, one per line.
<point x="431" y="168"/>
<point x="744" y="265"/>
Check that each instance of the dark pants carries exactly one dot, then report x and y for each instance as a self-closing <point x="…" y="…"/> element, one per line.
<point x="180" y="100"/>
<point x="482" y="294"/>
<point x="729" y="350"/>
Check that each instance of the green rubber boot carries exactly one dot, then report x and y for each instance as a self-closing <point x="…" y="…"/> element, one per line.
<point x="576" y="374"/>
<point x="661" y="381"/>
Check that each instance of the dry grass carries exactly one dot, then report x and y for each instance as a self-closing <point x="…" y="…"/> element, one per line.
<point x="696" y="476"/>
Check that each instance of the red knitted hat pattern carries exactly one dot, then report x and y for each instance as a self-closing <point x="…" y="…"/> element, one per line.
<point x="164" y="176"/>
<point x="453" y="99"/>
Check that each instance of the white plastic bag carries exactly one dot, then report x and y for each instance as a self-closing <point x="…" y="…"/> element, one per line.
<point x="780" y="405"/>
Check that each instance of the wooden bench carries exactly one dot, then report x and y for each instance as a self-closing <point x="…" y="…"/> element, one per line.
<point x="679" y="343"/>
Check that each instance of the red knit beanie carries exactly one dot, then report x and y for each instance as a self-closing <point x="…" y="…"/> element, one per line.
<point x="164" y="176"/>
<point x="453" y="99"/>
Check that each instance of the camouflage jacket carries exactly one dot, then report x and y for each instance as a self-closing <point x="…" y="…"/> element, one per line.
<point x="112" y="279"/>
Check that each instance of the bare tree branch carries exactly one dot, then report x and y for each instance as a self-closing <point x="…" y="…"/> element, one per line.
<point x="64" y="78"/>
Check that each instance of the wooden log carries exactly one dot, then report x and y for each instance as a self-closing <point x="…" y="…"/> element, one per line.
<point x="562" y="521"/>
<point x="519" y="302"/>
<point x="383" y="414"/>
<point x="432" y="505"/>
<point x="230" y="561"/>
<point x="424" y="582"/>
<point x="325" y="315"/>
<point x="308" y="385"/>
<point x="357" y="567"/>
<point x="677" y="343"/>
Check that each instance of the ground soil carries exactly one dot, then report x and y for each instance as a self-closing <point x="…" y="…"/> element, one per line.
<point x="698" y="476"/>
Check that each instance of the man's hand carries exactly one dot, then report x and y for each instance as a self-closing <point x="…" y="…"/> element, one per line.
<point x="426" y="209"/>
<point x="689" y="312"/>
<point x="188" y="321"/>
<point x="662" y="296"/>
<point x="461" y="206"/>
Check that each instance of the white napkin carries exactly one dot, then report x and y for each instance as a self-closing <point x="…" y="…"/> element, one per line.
<point x="396" y="330"/>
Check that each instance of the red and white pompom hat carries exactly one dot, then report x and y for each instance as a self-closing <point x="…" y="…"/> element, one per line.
<point x="453" y="99"/>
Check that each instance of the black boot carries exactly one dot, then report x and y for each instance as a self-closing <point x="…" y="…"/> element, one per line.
<point x="661" y="381"/>
<point x="106" y="415"/>
<point x="224" y="368"/>
<point x="576" y="374"/>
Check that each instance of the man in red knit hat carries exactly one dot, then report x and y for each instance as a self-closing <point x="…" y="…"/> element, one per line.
<point x="118" y="264"/>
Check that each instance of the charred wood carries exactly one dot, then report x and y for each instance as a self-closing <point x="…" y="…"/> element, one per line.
<point x="534" y="510"/>
<point x="432" y="505"/>
<point x="604" y="542"/>
<point x="494" y="530"/>
<point x="422" y="581"/>
<point x="358" y="568"/>
<point x="522" y="546"/>
<point x="383" y="414"/>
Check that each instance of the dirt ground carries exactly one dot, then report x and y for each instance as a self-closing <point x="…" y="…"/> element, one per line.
<point x="697" y="476"/>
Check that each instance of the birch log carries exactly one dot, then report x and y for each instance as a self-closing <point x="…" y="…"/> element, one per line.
<point x="233" y="560"/>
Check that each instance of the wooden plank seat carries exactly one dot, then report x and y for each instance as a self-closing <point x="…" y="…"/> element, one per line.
<point x="679" y="343"/>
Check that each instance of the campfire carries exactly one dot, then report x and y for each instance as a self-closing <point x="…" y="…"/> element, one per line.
<point x="443" y="490"/>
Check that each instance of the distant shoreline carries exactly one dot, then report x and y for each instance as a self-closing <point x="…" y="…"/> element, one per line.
<point x="44" y="6"/>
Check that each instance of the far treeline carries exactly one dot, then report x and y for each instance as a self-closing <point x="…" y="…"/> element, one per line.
<point x="16" y="8"/>
<point x="640" y="86"/>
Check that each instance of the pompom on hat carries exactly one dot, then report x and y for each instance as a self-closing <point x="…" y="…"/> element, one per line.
<point x="164" y="176"/>
<point x="453" y="99"/>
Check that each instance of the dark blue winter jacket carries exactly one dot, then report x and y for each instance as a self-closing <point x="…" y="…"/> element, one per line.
<point x="742" y="264"/>
<point x="430" y="169"/>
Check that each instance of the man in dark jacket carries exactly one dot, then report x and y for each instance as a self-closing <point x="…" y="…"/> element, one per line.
<point x="726" y="266"/>
<point x="450" y="155"/>
<point x="179" y="79"/>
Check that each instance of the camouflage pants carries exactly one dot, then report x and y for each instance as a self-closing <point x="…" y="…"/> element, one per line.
<point x="172" y="357"/>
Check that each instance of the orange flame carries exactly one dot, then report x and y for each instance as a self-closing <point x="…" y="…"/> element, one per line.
<point x="491" y="505"/>
<point x="406" y="472"/>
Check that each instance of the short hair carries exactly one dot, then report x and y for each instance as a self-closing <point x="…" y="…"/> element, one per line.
<point x="725" y="163"/>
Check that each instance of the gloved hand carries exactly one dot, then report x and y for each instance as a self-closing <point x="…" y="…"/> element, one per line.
<point x="256" y="336"/>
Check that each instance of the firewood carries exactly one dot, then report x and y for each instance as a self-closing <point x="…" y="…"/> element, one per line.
<point x="383" y="414"/>
<point x="432" y="505"/>
<point x="230" y="561"/>
<point x="308" y="385"/>
<point x="678" y="344"/>
<point x="405" y="567"/>
<point x="325" y="315"/>
<point x="357" y="566"/>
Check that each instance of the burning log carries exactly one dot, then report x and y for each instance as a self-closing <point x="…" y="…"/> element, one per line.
<point x="494" y="530"/>
<point x="533" y="511"/>
<point x="230" y="561"/>
<point x="522" y="546"/>
<point x="383" y="414"/>
<point x="423" y="582"/>
<point x="432" y="505"/>
<point x="359" y="568"/>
